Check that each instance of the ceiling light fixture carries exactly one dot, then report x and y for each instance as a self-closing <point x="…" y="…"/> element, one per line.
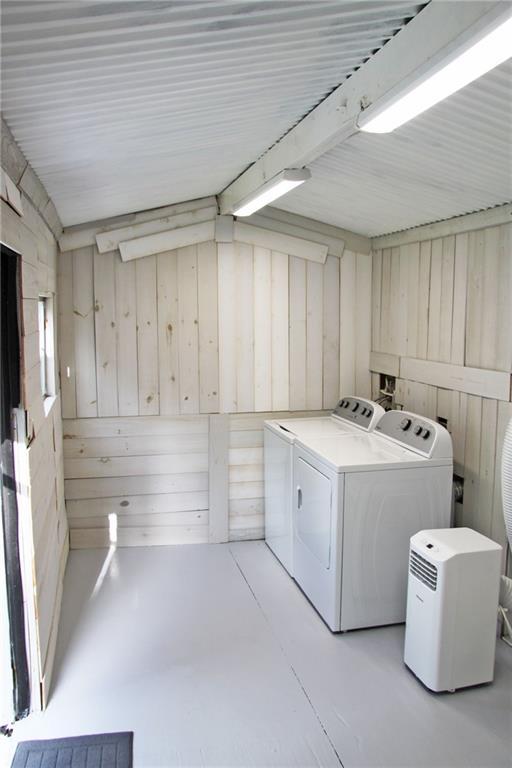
<point x="271" y="190"/>
<point x="472" y="59"/>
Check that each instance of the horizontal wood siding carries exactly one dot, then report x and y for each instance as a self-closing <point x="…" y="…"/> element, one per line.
<point x="144" y="482"/>
<point x="246" y="490"/>
<point x="448" y="338"/>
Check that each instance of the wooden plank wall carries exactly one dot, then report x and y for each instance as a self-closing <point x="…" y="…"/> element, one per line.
<point x="449" y="300"/>
<point x="136" y="481"/>
<point x="246" y="490"/>
<point x="39" y="463"/>
<point x="211" y="328"/>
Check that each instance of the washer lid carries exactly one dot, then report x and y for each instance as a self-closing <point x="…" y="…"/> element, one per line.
<point x="318" y="426"/>
<point x="360" y="453"/>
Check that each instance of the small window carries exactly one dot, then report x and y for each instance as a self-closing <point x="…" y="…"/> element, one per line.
<point x="46" y="346"/>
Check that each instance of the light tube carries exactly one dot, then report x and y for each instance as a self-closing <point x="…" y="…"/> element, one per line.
<point x="487" y="52"/>
<point x="276" y="187"/>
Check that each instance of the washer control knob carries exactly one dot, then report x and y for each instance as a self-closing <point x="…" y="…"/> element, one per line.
<point x="347" y="403"/>
<point x="426" y="434"/>
<point x="355" y="407"/>
<point x="368" y="413"/>
<point x="418" y="430"/>
<point x="405" y="424"/>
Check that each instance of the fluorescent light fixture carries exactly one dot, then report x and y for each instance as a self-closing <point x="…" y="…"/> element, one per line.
<point x="271" y="190"/>
<point x="492" y="47"/>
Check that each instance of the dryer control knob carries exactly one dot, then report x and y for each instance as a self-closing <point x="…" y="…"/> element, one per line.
<point x="405" y="424"/>
<point x="418" y="430"/>
<point x="426" y="434"/>
<point x="355" y="407"/>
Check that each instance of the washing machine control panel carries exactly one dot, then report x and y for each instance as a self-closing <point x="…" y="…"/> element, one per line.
<point x="356" y="410"/>
<point x="417" y="433"/>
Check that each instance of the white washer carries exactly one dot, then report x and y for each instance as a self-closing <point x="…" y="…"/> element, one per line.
<point x="352" y="416"/>
<point x="357" y="502"/>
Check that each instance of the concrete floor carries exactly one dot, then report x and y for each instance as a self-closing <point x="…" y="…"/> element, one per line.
<point x="213" y="657"/>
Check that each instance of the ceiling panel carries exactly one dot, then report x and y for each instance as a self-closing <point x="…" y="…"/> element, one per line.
<point x="454" y="159"/>
<point x="123" y="106"/>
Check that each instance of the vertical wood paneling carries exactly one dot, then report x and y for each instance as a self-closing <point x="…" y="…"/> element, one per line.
<point x="263" y="329"/>
<point x="280" y="361"/>
<point x="376" y="300"/>
<point x="446" y="309"/>
<point x="244" y="327"/>
<point x="208" y="329"/>
<point x="314" y="333"/>
<point x="474" y="308"/>
<point x="396" y="331"/>
<point x="227" y="328"/>
<point x="472" y="461"/>
<point x="66" y="335"/>
<point x="423" y="300"/>
<point x="434" y="308"/>
<point x="298" y="333"/>
<point x="385" y="313"/>
<point x="188" y="339"/>
<point x="459" y="299"/>
<point x="486" y="469"/>
<point x="105" y="330"/>
<point x="460" y="294"/>
<point x="363" y="324"/>
<point x="83" y="316"/>
<point x="413" y="283"/>
<point x="347" y="322"/>
<point x="489" y="317"/>
<point x="503" y="360"/>
<point x="126" y="323"/>
<point x="147" y="336"/>
<point x="331" y="332"/>
<point x="168" y="330"/>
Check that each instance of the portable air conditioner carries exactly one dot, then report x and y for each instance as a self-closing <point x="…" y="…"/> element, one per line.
<point x="452" y="603"/>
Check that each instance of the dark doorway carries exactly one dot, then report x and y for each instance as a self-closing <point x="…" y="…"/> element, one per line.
<point x="10" y="397"/>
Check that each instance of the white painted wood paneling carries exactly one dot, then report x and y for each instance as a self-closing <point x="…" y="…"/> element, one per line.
<point x="188" y="340"/>
<point x="38" y="451"/>
<point x="105" y="333"/>
<point x="207" y="298"/>
<point x="263" y="329"/>
<point x="280" y="335"/>
<point x="461" y="298"/>
<point x="126" y="324"/>
<point x="168" y="362"/>
<point x="137" y="480"/>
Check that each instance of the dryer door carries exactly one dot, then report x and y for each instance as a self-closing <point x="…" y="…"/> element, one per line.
<point x="313" y="512"/>
<point x="316" y="548"/>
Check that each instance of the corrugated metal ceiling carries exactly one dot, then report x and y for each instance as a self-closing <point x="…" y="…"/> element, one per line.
<point x="123" y="106"/>
<point x="454" y="159"/>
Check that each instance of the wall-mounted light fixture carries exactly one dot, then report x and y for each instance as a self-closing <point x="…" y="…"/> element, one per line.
<point x="271" y="190"/>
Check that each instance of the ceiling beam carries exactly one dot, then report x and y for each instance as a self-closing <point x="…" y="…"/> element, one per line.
<point x="427" y="38"/>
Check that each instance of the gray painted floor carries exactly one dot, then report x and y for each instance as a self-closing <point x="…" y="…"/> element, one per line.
<point x="213" y="657"/>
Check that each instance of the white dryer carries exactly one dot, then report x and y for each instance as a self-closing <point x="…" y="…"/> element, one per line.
<point x="352" y="416"/>
<point x="357" y="502"/>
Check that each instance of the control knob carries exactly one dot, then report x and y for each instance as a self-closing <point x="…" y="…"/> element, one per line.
<point x="405" y="424"/>
<point x="426" y="434"/>
<point x="355" y="407"/>
<point x="418" y="430"/>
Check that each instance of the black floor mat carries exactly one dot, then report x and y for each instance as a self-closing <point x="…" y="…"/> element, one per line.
<point x="101" y="750"/>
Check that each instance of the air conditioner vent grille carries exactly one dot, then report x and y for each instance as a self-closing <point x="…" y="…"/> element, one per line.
<point x="423" y="570"/>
